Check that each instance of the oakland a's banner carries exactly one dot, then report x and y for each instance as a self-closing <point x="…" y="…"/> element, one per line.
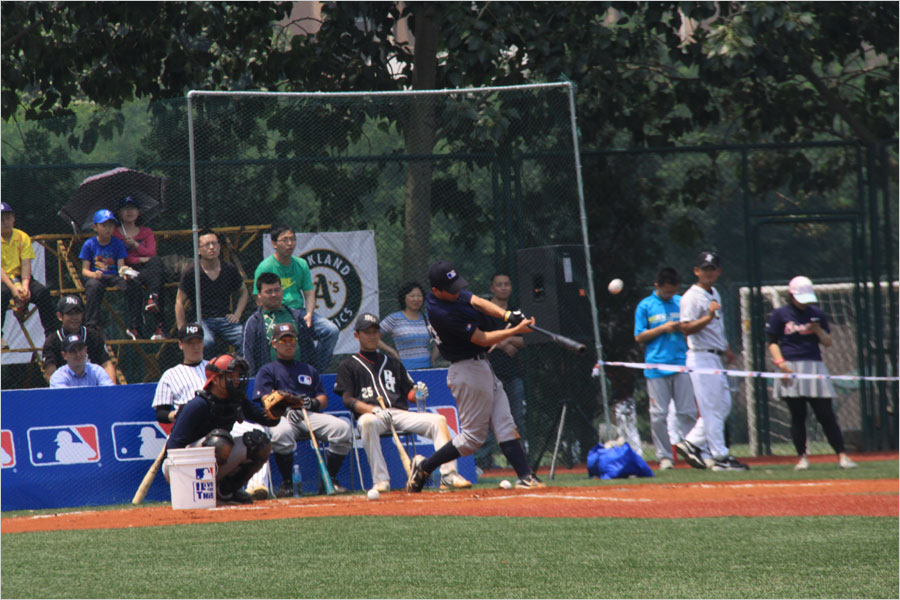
<point x="344" y="270"/>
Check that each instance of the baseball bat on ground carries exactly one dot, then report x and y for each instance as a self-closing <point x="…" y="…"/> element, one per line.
<point x="323" y="470"/>
<point x="561" y="340"/>
<point x="404" y="457"/>
<point x="142" y="490"/>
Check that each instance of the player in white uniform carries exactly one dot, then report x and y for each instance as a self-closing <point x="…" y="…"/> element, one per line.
<point x="702" y="322"/>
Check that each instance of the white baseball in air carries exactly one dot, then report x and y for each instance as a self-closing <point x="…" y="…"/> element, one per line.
<point x="615" y="286"/>
<point x="505" y="485"/>
<point x="373" y="494"/>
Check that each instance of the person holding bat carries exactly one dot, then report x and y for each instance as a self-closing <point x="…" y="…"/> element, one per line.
<point x="208" y="419"/>
<point x="302" y="380"/>
<point x="378" y="389"/>
<point x="463" y="328"/>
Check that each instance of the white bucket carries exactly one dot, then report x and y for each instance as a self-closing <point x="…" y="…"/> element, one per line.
<point x="192" y="477"/>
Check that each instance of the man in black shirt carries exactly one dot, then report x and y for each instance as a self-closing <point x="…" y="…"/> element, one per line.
<point x="70" y="312"/>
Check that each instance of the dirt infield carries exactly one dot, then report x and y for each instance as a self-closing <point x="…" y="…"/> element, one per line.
<point x="859" y="497"/>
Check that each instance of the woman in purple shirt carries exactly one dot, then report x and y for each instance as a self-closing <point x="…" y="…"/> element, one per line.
<point x="793" y="333"/>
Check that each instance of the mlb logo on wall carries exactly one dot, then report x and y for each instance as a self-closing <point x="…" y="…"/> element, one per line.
<point x="63" y="445"/>
<point x="204" y="484"/>
<point x="9" y="449"/>
<point x="449" y="413"/>
<point x="141" y="440"/>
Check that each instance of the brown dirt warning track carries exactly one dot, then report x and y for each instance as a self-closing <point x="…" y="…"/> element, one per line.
<point x="857" y="497"/>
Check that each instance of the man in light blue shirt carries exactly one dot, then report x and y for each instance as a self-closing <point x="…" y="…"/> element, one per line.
<point x="657" y="325"/>
<point x="77" y="372"/>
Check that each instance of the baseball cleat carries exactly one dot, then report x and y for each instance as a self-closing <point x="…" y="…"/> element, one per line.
<point x="454" y="481"/>
<point x="690" y="453"/>
<point x="236" y="497"/>
<point x="665" y="464"/>
<point x="729" y="463"/>
<point x="530" y="482"/>
<point x="417" y="476"/>
<point x="846" y="463"/>
<point x="259" y="493"/>
<point x="285" y="491"/>
<point x="382" y="487"/>
<point x="802" y="464"/>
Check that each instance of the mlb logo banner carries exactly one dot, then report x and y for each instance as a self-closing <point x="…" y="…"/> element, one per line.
<point x="140" y="440"/>
<point x="449" y="413"/>
<point x="63" y="445"/>
<point x="8" y="449"/>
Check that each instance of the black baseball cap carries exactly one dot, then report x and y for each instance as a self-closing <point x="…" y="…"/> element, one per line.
<point x="365" y="321"/>
<point x="283" y="329"/>
<point x="69" y="303"/>
<point x="72" y="341"/>
<point x="708" y="259"/>
<point x="129" y="201"/>
<point x="443" y="276"/>
<point x="190" y="331"/>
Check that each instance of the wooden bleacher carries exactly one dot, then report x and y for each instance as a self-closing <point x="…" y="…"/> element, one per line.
<point x="65" y="247"/>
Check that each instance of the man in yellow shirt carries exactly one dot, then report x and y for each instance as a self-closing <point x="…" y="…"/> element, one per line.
<point x="19" y="288"/>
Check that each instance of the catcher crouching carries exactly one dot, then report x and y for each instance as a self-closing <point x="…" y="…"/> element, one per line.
<point x="207" y="419"/>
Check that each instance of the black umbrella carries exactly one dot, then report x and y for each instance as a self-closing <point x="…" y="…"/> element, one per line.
<point x="106" y="190"/>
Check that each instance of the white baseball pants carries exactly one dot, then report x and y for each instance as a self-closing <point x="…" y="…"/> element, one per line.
<point x="713" y="400"/>
<point x="675" y="390"/>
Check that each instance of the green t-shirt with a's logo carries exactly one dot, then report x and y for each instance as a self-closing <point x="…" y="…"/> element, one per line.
<point x="295" y="279"/>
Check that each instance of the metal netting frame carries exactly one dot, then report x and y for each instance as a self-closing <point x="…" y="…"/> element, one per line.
<point x="570" y="91"/>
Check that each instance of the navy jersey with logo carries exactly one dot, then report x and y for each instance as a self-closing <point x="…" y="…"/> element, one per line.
<point x="788" y="326"/>
<point x="452" y="324"/>
<point x="196" y="419"/>
<point x="290" y="376"/>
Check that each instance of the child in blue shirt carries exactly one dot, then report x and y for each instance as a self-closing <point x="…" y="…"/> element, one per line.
<point x="102" y="261"/>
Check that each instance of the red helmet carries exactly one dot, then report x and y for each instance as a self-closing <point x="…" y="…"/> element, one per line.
<point x="227" y="363"/>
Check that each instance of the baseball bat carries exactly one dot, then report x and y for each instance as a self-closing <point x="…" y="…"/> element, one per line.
<point x="561" y="340"/>
<point x="142" y="490"/>
<point x="323" y="470"/>
<point x="404" y="457"/>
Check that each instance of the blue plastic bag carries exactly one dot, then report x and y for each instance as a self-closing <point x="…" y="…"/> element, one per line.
<point x="615" y="462"/>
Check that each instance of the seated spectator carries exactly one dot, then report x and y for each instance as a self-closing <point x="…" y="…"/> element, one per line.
<point x="70" y="311"/>
<point x="271" y="312"/>
<point x="219" y="280"/>
<point x="141" y="245"/>
<point x="299" y="292"/>
<point x="18" y="286"/>
<point x="77" y="372"/>
<point x="102" y="265"/>
<point x="408" y="329"/>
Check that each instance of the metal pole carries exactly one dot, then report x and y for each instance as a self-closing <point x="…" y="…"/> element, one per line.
<point x="194" y="227"/>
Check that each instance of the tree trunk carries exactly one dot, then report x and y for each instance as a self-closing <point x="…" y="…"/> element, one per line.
<point x="420" y="135"/>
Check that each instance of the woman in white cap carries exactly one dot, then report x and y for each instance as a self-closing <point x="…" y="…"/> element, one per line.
<point x="793" y="333"/>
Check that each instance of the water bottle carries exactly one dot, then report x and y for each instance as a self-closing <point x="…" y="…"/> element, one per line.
<point x="297" y="480"/>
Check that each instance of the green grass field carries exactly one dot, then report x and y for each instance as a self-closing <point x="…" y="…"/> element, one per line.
<point x="466" y="557"/>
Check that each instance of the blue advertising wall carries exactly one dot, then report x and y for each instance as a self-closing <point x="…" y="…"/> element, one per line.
<point x="92" y="446"/>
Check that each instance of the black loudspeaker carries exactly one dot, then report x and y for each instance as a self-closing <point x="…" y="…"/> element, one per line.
<point x="553" y="289"/>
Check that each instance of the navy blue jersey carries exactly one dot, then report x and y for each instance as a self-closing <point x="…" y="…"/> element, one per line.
<point x="196" y="419"/>
<point x="452" y="324"/>
<point x="788" y="326"/>
<point x="290" y="376"/>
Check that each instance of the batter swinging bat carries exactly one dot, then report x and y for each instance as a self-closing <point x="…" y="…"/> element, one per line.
<point x="142" y="490"/>
<point x="561" y="340"/>
<point x="323" y="470"/>
<point x="404" y="457"/>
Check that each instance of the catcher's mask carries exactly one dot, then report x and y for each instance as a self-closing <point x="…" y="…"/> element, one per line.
<point x="224" y="364"/>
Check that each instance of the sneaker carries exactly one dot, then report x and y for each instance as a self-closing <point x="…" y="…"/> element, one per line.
<point x="690" y="453"/>
<point x="454" y="481"/>
<point x="152" y="305"/>
<point x="339" y="489"/>
<point x="158" y="334"/>
<point x="417" y="476"/>
<point x="530" y="482"/>
<point x="666" y="464"/>
<point x="382" y="487"/>
<point x="285" y="491"/>
<point x="133" y="333"/>
<point x="729" y="463"/>
<point x="259" y="493"/>
<point x="846" y="463"/>
<point x="237" y="497"/>
<point x="802" y="464"/>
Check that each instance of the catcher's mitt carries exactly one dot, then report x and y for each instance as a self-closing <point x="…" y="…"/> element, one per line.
<point x="277" y="402"/>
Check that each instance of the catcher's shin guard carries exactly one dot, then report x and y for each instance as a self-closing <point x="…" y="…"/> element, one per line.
<point x="222" y="441"/>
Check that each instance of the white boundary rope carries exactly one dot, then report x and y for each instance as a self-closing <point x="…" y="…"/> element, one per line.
<point x="735" y="372"/>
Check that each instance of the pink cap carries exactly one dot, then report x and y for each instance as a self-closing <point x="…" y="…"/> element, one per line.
<point x="802" y="290"/>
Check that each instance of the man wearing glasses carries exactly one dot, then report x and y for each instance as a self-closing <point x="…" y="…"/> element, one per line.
<point x="219" y="280"/>
<point x="299" y="292"/>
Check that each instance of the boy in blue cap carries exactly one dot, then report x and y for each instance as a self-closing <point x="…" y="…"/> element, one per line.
<point x="102" y="265"/>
